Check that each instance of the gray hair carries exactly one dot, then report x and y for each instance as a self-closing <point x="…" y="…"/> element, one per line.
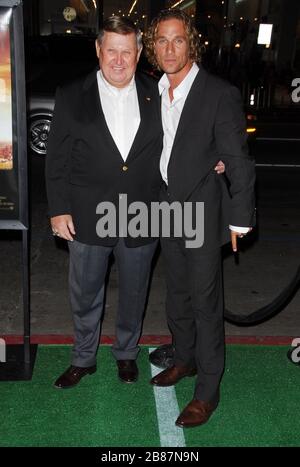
<point x="120" y="25"/>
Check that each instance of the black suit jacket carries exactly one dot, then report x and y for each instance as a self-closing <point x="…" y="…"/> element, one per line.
<point x="212" y="127"/>
<point x="84" y="166"/>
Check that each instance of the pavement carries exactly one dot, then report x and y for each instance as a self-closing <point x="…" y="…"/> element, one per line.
<point x="268" y="260"/>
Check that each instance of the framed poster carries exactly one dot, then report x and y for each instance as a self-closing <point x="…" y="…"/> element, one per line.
<point x="13" y="144"/>
<point x="19" y="359"/>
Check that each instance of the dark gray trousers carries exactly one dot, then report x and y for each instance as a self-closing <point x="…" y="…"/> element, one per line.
<point x="88" y="268"/>
<point x="195" y="312"/>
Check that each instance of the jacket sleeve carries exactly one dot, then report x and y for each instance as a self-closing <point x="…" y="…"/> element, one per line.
<point x="232" y="148"/>
<point x="57" y="159"/>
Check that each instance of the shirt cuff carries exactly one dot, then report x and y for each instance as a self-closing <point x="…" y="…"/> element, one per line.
<point x="239" y="229"/>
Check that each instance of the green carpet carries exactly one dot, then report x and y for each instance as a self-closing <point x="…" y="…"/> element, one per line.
<point x="260" y="401"/>
<point x="259" y="404"/>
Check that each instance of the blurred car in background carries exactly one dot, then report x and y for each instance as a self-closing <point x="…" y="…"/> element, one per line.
<point x="52" y="61"/>
<point x="40" y="112"/>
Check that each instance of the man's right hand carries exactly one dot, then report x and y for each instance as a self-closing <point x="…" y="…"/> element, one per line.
<point x="63" y="227"/>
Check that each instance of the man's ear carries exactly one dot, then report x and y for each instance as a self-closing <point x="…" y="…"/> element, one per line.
<point x="97" y="45"/>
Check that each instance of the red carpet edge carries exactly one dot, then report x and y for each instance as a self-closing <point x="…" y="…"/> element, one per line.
<point x="147" y="340"/>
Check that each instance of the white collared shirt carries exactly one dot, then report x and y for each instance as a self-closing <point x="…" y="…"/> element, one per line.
<point x="121" y="111"/>
<point x="171" y="112"/>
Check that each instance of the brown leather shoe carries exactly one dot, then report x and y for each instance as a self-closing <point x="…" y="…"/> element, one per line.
<point x="172" y="375"/>
<point x="127" y="371"/>
<point x="195" y="413"/>
<point x="73" y="375"/>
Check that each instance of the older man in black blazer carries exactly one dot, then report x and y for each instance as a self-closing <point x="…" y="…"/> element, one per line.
<point x="105" y="142"/>
<point x="203" y="122"/>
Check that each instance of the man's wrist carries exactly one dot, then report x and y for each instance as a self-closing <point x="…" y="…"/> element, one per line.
<point x="243" y="230"/>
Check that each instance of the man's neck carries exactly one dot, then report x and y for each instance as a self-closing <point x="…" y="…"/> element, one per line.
<point x="176" y="78"/>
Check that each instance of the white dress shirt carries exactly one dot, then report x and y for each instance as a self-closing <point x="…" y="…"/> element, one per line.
<point x="171" y="112"/>
<point x="121" y="111"/>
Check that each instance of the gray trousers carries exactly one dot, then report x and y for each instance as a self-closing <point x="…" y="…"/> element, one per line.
<point x="88" y="268"/>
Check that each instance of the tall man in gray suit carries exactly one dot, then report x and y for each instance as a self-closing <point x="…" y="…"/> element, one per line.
<point x="203" y="122"/>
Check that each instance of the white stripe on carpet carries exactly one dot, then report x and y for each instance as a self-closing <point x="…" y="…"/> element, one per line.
<point x="167" y="411"/>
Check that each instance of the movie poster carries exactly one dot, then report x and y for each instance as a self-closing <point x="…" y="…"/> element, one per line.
<point x="9" y="196"/>
<point x="6" y="157"/>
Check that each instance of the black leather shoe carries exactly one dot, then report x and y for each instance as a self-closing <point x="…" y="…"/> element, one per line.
<point x="73" y="375"/>
<point x="163" y="356"/>
<point x="127" y="371"/>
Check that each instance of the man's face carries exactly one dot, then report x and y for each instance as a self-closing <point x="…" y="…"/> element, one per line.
<point x="172" y="47"/>
<point x="118" y="57"/>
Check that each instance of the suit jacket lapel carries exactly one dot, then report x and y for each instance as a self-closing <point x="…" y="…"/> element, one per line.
<point x="191" y="106"/>
<point x="145" y="100"/>
<point x="94" y="112"/>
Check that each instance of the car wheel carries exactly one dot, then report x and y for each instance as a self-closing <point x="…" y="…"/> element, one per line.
<point x="38" y="133"/>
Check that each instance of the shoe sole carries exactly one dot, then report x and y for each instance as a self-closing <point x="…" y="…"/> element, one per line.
<point x="127" y="382"/>
<point x="191" y="426"/>
<point x="194" y="425"/>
